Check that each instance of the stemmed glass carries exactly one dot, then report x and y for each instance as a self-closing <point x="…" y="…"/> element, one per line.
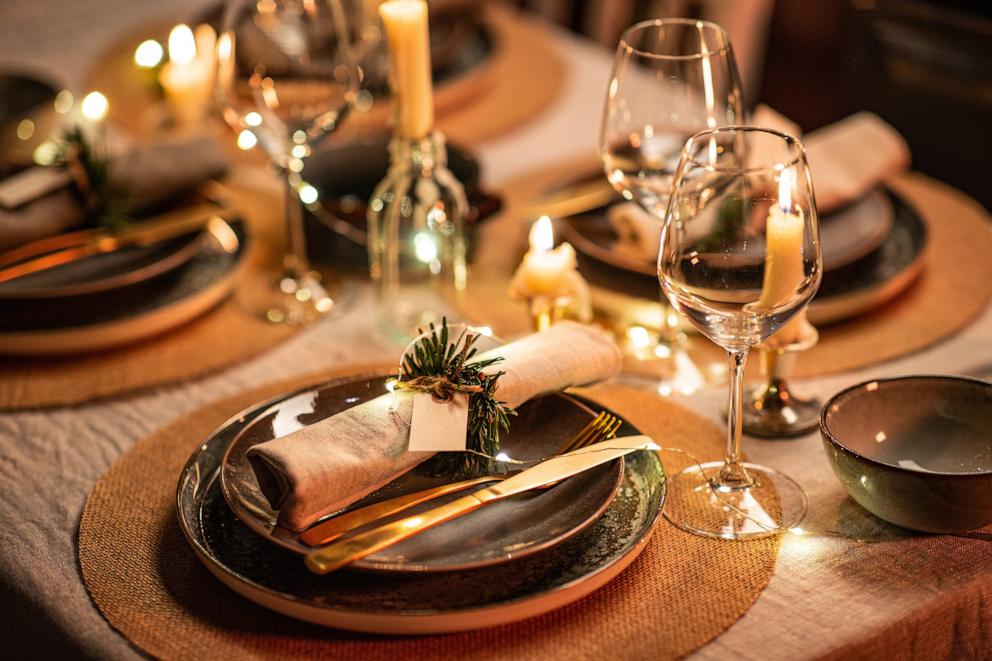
<point x="671" y="78"/>
<point x="285" y="79"/>
<point x="740" y="256"/>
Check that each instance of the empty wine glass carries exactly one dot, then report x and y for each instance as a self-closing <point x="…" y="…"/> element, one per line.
<point x="286" y="78"/>
<point x="740" y="257"/>
<point x="671" y="78"/>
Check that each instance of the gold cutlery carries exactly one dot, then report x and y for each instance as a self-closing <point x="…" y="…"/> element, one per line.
<point x="603" y="426"/>
<point x="71" y="247"/>
<point x="355" y="547"/>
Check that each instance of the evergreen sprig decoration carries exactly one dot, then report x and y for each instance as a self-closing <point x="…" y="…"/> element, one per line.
<point x="441" y="367"/>
<point x="91" y="170"/>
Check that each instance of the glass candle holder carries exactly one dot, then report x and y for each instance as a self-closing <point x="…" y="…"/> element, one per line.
<point x="774" y="410"/>
<point x="416" y="240"/>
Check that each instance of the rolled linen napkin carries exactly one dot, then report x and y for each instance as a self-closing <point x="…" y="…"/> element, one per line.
<point x="147" y="176"/>
<point x="846" y="160"/>
<point x="326" y="466"/>
<point x="853" y="156"/>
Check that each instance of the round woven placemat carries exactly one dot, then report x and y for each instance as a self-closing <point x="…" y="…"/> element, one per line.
<point x="953" y="289"/>
<point x="224" y="336"/>
<point x="679" y="594"/>
<point x="518" y="82"/>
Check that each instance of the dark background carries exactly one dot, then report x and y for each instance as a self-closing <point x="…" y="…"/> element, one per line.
<point x="925" y="66"/>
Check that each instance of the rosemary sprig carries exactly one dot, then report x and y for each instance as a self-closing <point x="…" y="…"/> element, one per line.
<point x="105" y="205"/>
<point x="441" y="367"/>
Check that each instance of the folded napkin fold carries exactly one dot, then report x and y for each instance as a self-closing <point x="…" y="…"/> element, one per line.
<point x="326" y="466"/>
<point x="847" y="160"/>
<point x="147" y="176"/>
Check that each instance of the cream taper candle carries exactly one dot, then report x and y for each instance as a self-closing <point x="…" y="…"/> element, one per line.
<point x="784" y="273"/>
<point x="407" y="31"/>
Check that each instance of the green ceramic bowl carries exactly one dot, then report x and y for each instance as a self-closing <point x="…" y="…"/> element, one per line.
<point x="916" y="450"/>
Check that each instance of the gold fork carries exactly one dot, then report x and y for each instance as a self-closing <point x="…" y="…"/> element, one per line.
<point x="600" y="428"/>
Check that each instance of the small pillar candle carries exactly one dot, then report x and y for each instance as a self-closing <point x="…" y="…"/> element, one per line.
<point x="188" y="77"/>
<point x="784" y="273"/>
<point x="407" y="32"/>
<point x="548" y="278"/>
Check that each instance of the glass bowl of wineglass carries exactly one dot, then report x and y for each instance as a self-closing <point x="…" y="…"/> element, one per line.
<point x="671" y="78"/>
<point x="740" y="257"/>
<point x="286" y="78"/>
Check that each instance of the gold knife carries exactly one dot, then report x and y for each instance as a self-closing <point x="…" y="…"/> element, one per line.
<point x="355" y="547"/>
<point x="64" y="249"/>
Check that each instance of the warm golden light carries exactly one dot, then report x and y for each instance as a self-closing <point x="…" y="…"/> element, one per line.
<point x="424" y="247"/>
<point x="148" y="54"/>
<point x="542" y="236"/>
<point x="63" y="102"/>
<point x="247" y="140"/>
<point x="308" y="194"/>
<point x="182" y="45"/>
<point x="224" y="45"/>
<point x="785" y="184"/>
<point x="45" y="153"/>
<point x="25" y="129"/>
<point x="94" y="106"/>
<point x="253" y="119"/>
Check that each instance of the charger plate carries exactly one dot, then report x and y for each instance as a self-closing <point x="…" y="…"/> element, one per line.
<point x="501" y="532"/>
<point x="92" y="322"/>
<point x="420" y="603"/>
<point x="107" y="271"/>
<point x="846" y="291"/>
<point x="846" y="235"/>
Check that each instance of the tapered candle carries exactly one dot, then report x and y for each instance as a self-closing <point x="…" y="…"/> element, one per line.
<point x="784" y="271"/>
<point x="407" y="31"/>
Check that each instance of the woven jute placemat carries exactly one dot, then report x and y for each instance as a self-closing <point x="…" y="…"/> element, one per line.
<point x="680" y="593"/>
<point x="224" y="336"/>
<point x="954" y="287"/>
<point x="518" y="81"/>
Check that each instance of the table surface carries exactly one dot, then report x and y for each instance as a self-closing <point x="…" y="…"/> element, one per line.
<point x="828" y="595"/>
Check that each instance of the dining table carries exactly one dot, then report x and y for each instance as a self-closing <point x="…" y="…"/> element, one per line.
<point x="829" y="596"/>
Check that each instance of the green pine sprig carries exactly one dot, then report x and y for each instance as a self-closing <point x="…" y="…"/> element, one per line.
<point x="435" y="355"/>
<point x="109" y="208"/>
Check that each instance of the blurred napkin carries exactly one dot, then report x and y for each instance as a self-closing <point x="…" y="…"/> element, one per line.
<point x="847" y="160"/>
<point x="326" y="466"/>
<point x="147" y="176"/>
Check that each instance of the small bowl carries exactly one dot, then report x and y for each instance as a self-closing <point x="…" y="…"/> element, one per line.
<point x="916" y="450"/>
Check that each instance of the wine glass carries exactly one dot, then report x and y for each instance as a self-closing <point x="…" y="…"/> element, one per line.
<point x="285" y="79"/>
<point x="671" y="78"/>
<point x="740" y="257"/>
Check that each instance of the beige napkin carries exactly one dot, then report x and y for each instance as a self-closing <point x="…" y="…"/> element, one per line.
<point x="846" y="160"/>
<point x="147" y="176"/>
<point x="326" y="466"/>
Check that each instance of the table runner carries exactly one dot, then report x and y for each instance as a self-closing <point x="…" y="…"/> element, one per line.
<point x="225" y="336"/>
<point x="955" y="286"/>
<point x="682" y="592"/>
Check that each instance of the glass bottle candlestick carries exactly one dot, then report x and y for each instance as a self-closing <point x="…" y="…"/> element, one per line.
<point x="416" y="234"/>
<point x="774" y="410"/>
<point x="546" y="311"/>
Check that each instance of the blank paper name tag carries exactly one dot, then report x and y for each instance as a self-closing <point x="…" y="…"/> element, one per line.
<point x="31" y="184"/>
<point x="438" y="426"/>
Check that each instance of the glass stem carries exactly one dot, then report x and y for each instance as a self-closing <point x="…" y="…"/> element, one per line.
<point x="295" y="260"/>
<point x="733" y="474"/>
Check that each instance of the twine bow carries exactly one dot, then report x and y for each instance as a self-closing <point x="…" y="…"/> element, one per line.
<point x="442" y="387"/>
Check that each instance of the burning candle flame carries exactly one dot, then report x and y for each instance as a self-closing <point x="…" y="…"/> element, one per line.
<point x="786" y="182"/>
<point x="542" y="237"/>
<point x="182" y="45"/>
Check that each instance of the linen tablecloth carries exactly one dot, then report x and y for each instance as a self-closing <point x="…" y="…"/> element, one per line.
<point x="828" y="596"/>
